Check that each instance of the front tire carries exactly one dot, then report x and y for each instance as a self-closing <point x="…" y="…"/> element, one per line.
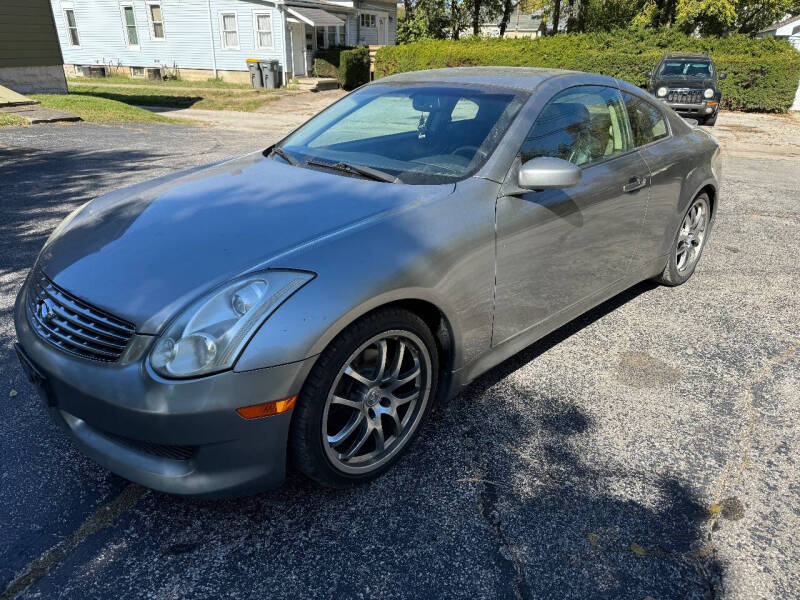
<point x="365" y="399"/>
<point x="689" y="243"/>
<point x="711" y="121"/>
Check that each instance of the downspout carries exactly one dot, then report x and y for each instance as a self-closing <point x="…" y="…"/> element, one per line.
<point x="287" y="36"/>
<point x="211" y="37"/>
<point x="358" y="23"/>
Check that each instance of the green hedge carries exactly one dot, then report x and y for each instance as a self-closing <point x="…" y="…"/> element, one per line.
<point x="349" y="65"/>
<point x="354" y="68"/>
<point x="326" y="62"/>
<point x="763" y="74"/>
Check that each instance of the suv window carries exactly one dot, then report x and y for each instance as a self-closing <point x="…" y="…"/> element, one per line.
<point x="685" y="67"/>
<point x="583" y="125"/>
<point x="647" y="121"/>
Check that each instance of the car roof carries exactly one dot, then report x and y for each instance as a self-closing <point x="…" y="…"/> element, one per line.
<point x="687" y="55"/>
<point x="520" y="78"/>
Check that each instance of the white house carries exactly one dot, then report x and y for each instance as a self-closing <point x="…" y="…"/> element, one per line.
<point x="788" y="28"/>
<point x="207" y="38"/>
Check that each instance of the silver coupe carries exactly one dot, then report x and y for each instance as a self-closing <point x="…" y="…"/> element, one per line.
<point x="307" y="305"/>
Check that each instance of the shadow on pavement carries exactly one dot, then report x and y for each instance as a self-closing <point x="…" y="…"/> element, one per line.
<point x="507" y="494"/>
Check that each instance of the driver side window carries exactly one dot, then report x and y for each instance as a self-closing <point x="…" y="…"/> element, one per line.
<point x="582" y="125"/>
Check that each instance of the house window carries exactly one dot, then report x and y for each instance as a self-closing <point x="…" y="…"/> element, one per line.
<point x="342" y="36"/>
<point x="72" y="27"/>
<point x="156" y="21"/>
<point x="367" y="20"/>
<point x="331" y="37"/>
<point x="230" y="31"/>
<point x="137" y="71"/>
<point x="263" y="22"/>
<point x="320" y="31"/>
<point x="129" y="21"/>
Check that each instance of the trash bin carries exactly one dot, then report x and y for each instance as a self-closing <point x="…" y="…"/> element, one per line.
<point x="271" y="72"/>
<point x="254" y="66"/>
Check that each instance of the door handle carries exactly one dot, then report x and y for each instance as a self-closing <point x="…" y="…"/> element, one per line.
<point x="634" y="183"/>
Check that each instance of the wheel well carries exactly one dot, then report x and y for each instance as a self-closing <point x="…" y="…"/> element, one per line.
<point x="712" y="196"/>
<point x="439" y="325"/>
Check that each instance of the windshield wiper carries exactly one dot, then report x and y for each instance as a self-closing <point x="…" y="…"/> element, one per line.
<point x="285" y="156"/>
<point x="367" y="172"/>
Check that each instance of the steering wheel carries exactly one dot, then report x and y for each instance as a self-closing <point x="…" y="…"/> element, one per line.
<point x="473" y="150"/>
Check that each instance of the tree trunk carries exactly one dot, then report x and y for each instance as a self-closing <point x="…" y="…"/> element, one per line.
<point x="454" y="20"/>
<point x="476" y="17"/>
<point x="409" y="6"/>
<point x="507" y="7"/>
<point x="556" y="15"/>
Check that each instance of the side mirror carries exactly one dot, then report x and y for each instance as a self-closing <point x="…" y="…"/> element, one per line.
<point x="546" y="173"/>
<point x="649" y="74"/>
<point x="723" y="75"/>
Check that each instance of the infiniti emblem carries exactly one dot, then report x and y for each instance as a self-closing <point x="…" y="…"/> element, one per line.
<point x="45" y="310"/>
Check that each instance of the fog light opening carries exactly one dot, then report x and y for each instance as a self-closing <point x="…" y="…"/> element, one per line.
<point x="267" y="409"/>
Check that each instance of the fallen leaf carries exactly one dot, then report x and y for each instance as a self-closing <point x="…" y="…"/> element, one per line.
<point x="715" y="509"/>
<point x="12" y="393"/>
<point x="637" y="549"/>
<point x="592" y="538"/>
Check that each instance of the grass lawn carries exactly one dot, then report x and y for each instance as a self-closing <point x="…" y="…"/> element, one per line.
<point x="9" y="120"/>
<point x="246" y="99"/>
<point x="100" y="110"/>
<point x="169" y="83"/>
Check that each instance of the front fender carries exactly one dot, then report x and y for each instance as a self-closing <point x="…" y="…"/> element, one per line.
<point x="304" y="326"/>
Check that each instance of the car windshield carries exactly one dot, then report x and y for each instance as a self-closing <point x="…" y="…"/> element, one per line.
<point x="418" y="134"/>
<point x="686" y="68"/>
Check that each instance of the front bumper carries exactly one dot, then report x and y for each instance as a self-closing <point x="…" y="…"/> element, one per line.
<point x="695" y="110"/>
<point x="177" y="436"/>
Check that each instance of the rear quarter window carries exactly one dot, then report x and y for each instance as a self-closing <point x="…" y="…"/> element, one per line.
<point x="647" y="121"/>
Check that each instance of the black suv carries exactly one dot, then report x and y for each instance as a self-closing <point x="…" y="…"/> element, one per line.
<point x="689" y="83"/>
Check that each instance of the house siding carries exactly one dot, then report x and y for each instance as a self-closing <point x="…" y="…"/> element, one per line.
<point x="186" y="31"/>
<point x="369" y="36"/>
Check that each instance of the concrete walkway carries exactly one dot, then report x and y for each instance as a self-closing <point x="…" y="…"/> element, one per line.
<point x="284" y="114"/>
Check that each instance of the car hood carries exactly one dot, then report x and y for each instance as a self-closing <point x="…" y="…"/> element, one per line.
<point x="683" y="82"/>
<point x="144" y="252"/>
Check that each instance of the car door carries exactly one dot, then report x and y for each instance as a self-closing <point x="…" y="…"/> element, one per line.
<point x="558" y="247"/>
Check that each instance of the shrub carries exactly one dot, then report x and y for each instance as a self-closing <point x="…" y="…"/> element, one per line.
<point x="326" y="61"/>
<point x="354" y="68"/>
<point x="763" y="74"/>
<point x="350" y="66"/>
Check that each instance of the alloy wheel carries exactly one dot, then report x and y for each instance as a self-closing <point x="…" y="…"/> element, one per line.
<point x="692" y="235"/>
<point x="376" y="401"/>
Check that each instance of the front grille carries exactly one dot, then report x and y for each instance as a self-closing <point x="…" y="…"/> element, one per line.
<point x="73" y="325"/>
<point x="160" y="450"/>
<point x="685" y="96"/>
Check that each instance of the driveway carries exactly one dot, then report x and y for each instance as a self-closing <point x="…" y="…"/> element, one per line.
<point x="646" y="450"/>
<point x="281" y="115"/>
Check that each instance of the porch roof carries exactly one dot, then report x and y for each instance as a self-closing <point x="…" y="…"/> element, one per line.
<point x="316" y="17"/>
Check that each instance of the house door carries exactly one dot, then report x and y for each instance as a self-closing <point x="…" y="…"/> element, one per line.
<point x="381" y="31"/>
<point x="298" y="33"/>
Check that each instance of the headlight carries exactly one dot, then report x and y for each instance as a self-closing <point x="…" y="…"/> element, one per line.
<point x="662" y="91"/>
<point x="210" y="334"/>
<point x="709" y="93"/>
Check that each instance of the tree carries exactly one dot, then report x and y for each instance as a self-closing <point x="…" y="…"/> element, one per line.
<point x="719" y="17"/>
<point x="508" y="6"/>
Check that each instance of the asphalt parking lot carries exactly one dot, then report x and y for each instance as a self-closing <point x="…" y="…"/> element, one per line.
<point x="647" y="450"/>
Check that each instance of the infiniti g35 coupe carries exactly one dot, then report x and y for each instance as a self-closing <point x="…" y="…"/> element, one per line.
<point x="306" y="305"/>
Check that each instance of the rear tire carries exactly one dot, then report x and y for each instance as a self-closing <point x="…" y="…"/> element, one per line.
<point x="365" y="399"/>
<point x="689" y="243"/>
